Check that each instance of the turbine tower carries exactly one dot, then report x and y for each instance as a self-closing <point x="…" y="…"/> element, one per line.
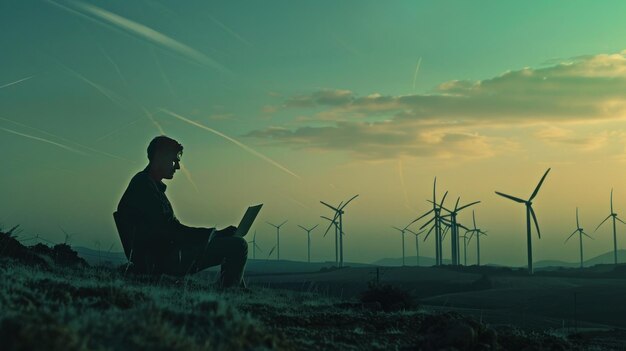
<point x="308" y="237"/>
<point x="529" y="212"/>
<point x="417" y="247"/>
<point x="454" y="226"/>
<point x="436" y="210"/>
<point x="277" y="238"/>
<point x="339" y="215"/>
<point x="465" y="237"/>
<point x="402" y="231"/>
<point x="254" y="246"/>
<point x="478" y="232"/>
<point x="333" y="222"/>
<point x="580" y="232"/>
<point x="614" y="215"/>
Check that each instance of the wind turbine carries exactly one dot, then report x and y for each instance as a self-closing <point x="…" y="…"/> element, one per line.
<point x="277" y="238"/>
<point x="339" y="214"/>
<point x="417" y="247"/>
<point x="436" y="210"/>
<point x="614" y="215"/>
<point x="478" y="232"/>
<point x="529" y="212"/>
<point x="580" y="232"/>
<point x="455" y="228"/>
<point x="270" y="253"/>
<point x="308" y="234"/>
<point x="254" y="245"/>
<point x="334" y="222"/>
<point x="402" y="231"/>
<point x="465" y="237"/>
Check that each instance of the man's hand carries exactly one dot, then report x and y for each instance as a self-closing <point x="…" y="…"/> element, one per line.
<point x="228" y="231"/>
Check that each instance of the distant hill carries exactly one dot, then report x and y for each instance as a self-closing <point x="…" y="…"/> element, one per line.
<point x="409" y="261"/>
<point x="605" y="258"/>
<point x="100" y="257"/>
<point x="95" y="257"/>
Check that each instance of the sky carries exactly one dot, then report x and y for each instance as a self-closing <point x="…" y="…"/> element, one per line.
<point x="292" y="103"/>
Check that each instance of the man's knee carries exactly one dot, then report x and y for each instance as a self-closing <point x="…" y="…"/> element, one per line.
<point x="239" y="244"/>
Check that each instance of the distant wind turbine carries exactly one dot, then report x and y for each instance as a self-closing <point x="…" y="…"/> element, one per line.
<point x="580" y="232"/>
<point x="436" y="211"/>
<point x="339" y="215"/>
<point x="529" y="212"/>
<point x="308" y="237"/>
<point x="454" y="226"/>
<point x="254" y="245"/>
<point x="476" y="232"/>
<point x="417" y="245"/>
<point x="336" y="225"/>
<point x="277" y="238"/>
<point x="614" y="215"/>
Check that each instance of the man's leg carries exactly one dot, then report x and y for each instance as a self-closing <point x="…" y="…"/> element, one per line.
<point x="229" y="251"/>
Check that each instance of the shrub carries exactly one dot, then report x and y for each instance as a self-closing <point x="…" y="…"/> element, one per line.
<point x="389" y="297"/>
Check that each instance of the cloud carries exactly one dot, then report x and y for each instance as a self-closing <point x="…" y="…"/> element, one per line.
<point x="460" y="117"/>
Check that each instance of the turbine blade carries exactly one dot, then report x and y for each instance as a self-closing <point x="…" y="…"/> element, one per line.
<point x="577" y="225"/>
<point x="347" y="202"/>
<point x="315" y="226"/>
<point x="611" y="200"/>
<point x="434" y="187"/>
<point x="585" y="234"/>
<point x="429" y="231"/>
<point x="539" y="185"/>
<point x="422" y="216"/>
<point x="427" y="223"/>
<point x="302" y="227"/>
<point x="462" y="226"/>
<point x="468" y="205"/>
<point x="280" y="225"/>
<point x="443" y="198"/>
<point x="474" y="218"/>
<point x="397" y="228"/>
<point x="619" y="219"/>
<point x="516" y="199"/>
<point x="601" y="223"/>
<point x="532" y="212"/>
<point x="457" y="203"/>
<point x="412" y="232"/>
<point x="331" y="207"/>
<point x="258" y="247"/>
<point x="575" y="231"/>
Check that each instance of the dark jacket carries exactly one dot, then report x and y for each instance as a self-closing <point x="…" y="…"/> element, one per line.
<point x="159" y="233"/>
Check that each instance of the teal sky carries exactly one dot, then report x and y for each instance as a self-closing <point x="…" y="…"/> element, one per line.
<point x="330" y="98"/>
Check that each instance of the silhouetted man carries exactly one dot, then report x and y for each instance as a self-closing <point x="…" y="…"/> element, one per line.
<point x="164" y="245"/>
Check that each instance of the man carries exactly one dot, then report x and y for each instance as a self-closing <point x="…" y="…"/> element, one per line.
<point x="163" y="245"/>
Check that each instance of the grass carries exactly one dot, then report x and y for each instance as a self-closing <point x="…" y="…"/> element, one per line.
<point x="51" y="306"/>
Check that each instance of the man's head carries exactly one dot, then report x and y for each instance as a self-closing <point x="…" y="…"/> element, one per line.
<point x="164" y="154"/>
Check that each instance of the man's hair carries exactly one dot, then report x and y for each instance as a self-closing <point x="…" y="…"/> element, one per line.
<point x="163" y="143"/>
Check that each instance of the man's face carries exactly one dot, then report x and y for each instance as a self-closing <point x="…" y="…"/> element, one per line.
<point x="167" y="162"/>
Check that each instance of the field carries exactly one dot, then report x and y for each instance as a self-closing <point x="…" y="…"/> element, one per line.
<point x="57" y="303"/>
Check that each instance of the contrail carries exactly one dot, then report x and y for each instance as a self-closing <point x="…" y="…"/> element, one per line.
<point x="230" y="31"/>
<point x="163" y="75"/>
<point x="118" y="129"/>
<point x="117" y="68"/>
<point x="67" y="140"/>
<point x="417" y="68"/>
<point x="141" y="31"/>
<point x="236" y="142"/>
<point x="104" y="91"/>
<point x="44" y="140"/>
<point x="16" y="82"/>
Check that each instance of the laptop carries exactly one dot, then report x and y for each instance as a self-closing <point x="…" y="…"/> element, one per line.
<point x="247" y="220"/>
